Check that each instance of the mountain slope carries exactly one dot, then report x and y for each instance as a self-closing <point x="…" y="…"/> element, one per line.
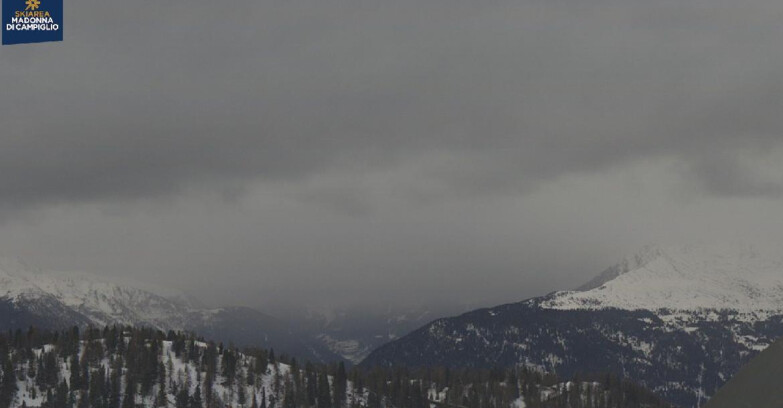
<point x="685" y="278"/>
<point x="57" y="300"/>
<point x="129" y="367"/>
<point x="353" y="332"/>
<point x="98" y="300"/>
<point x="247" y="327"/>
<point x="756" y="385"/>
<point x="144" y="368"/>
<point x="681" y="321"/>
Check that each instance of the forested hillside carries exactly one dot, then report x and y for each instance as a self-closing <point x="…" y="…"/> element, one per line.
<point x="127" y="367"/>
<point x="756" y="385"/>
<point x="679" y="321"/>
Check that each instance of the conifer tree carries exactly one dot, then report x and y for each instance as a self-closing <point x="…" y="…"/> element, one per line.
<point x="61" y="399"/>
<point x="8" y="387"/>
<point x="289" y="400"/>
<point x="182" y="399"/>
<point x="324" y="399"/>
<point x="241" y="393"/>
<point x="76" y="371"/>
<point x="162" y="396"/>
<point x="195" y="400"/>
<point x="340" y="385"/>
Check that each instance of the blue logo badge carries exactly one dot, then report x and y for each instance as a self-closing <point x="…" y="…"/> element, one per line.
<point x="32" y="21"/>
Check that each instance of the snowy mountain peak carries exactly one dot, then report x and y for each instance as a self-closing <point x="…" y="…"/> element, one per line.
<point x="16" y="279"/>
<point x="98" y="299"/>
<point x="646" y="255"/>
<point x="682" y="278"/>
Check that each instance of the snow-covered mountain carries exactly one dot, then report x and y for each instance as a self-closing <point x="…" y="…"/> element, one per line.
<point x="680" y="320"/>
<point x="29" y="296"/>
<point x="99" y="300"/>
<point x="56" y="300"/>
<point x="684" y="279"/>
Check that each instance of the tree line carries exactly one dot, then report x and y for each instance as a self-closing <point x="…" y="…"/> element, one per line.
<point x="126" y="367"/>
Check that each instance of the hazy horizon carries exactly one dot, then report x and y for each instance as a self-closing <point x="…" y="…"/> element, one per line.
<point x="332" y="153"/>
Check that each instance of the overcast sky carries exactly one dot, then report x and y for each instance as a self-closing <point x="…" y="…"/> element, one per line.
<point x="328" y="152"/>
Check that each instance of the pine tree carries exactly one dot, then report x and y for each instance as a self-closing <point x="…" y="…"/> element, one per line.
<point x="324" y="399"/>
<point x="229" y="366"/>
<point x="311" y="384"/>
<point x="61" y="399"/>
<point x="76" y="371"/>
<point x="115" y="383"/>
<point x="289" y="400"/>
<point x="195" y="400"/>
<point x="340" y="385"/>
<point x="8" y="387"/>
<point x="162" y="399"/>
<point x="182" y="399"/>
<point x="94" y="391"/>
<point x="84" y="401"/>
<point x="513" y="384"/>
<point x="241" y="394"/>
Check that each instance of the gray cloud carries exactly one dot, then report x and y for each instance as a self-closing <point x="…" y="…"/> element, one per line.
<point x="378" y="113"/>
<point x="151" y="99"/>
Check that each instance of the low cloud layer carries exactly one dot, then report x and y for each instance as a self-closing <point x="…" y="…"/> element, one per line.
<point x="338" y="150"/>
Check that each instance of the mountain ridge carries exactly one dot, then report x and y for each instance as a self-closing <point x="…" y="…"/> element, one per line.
<point x="681" y="321"/>
<point x="685" y="278"/>
<point x="57" y="300"/>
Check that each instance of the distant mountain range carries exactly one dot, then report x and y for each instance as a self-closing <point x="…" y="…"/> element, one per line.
<point x="681" y="321"/>
<point x="57" y="300"/>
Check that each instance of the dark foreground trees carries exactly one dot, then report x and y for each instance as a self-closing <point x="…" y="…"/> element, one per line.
<point x="124" y="367"/>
